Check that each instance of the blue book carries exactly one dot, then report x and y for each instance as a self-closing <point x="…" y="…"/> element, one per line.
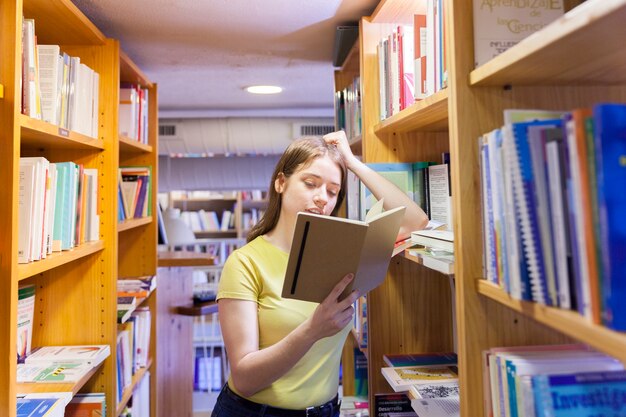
<point x="610" y="146"/>
<point x="526" y="202"/>
<point x="35" y="407"/>
<point x="589" y="394"/>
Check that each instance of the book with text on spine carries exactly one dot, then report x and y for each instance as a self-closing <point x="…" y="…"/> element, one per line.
<point x="324" y="249"/>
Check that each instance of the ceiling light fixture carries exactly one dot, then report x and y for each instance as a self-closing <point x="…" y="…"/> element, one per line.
<point x="264" y="89"/>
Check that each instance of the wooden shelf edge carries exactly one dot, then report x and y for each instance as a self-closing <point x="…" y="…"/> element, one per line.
<point x="131" y="145"/>
<point x="584" y="21"/>
<point x="184" y="259"/>
<point x="128" y="391"/>
<point x="58" y="258"/>
<point x="38" y="132"/>
<point x="132" y="223"/>
<point x="429" y="114"/>
<point x="568" y="322"/>
<point x="39" y="387"/>
<point x="130" y="72"/>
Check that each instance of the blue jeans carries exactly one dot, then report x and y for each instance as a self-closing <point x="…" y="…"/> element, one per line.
<point x="230" y="404"/>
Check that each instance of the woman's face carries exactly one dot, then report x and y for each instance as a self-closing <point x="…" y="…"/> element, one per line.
<point x="313" y="188"/>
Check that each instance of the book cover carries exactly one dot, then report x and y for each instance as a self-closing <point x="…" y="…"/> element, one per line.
<point x="386" y="405"/>
<point x="324" y="249"/>
<point x="437" y="390"/>
<point x="438" y="239"/>
<point x="610" y="144"/>
<point x="402" y="378"/>
<point x="420" y="359"/>
<point x="89" y="354"/>
<point x="86" y="405"/>
<point x="586" y="394"/>
<point x="501" y="25"/>
<point x="25" y="316"/>
<point x="57" y="372"/>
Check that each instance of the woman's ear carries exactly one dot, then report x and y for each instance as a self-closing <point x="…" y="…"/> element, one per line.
<point x="279" y="183"/>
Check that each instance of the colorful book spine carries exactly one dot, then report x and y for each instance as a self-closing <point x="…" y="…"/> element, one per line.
<point x="610" y="145"/>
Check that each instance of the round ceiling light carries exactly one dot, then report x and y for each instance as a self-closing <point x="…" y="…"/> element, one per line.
<point x="264" y="89"/>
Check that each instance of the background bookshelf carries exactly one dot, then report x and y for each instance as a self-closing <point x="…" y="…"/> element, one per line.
<point x="137" y="238"/>
<point x="242" y="206"/>
<point x="76" y="289"/>
<point x="412" y="310"/>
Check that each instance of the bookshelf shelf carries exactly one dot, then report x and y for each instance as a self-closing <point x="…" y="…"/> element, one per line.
<point x="58" y="258"/>
<point x="428" y="115"/>
<point x="132" y="223"/>
<point x="568" y="322"/>
<point x="130" y="145"/>
<point x="38" y="387"/>
<point x="216" y="234"/>
<point x="420" y="260"/>
<point x="128" y="391"/>
<point x="548" y="58"/>
<point x="37" y="133"/>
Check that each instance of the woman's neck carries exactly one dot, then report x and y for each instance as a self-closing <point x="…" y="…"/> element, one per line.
<point x="281" y="235"/>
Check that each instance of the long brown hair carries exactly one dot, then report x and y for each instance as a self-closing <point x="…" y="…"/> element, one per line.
<point x="298" y="154"/>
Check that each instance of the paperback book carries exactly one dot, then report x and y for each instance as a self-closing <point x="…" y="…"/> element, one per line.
<point x="325" y="249"/>
<point x="402" y="378"/>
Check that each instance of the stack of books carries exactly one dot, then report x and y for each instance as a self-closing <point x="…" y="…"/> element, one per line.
<point x="61" y="363"/>
<point x="435" y="249"/>
<point x="430" y="381"/>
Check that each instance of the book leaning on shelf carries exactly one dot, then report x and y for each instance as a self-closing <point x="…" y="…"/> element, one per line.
<point x="52" y="372"/>
<point x="324" y="249"/>
<point x="402" y="378"/>
<point x="92" y="355"/>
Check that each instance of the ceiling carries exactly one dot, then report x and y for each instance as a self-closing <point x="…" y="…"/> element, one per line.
<point x="202" y="53"/>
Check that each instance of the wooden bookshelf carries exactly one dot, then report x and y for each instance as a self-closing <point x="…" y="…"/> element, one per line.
<point x="577" y="61"/>
<point x="128" y="391"/>
<point x="76" y="289"/>
<point x="129" y="145"/>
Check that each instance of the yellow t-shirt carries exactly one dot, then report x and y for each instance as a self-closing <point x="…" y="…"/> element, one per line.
<point x="256" y="272"/>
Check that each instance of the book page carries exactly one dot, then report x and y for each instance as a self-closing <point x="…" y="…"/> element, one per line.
<point x="376" y="209"/>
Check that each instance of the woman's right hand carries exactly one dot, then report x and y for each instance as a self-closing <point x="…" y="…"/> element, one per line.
<point x="333" y="314"/>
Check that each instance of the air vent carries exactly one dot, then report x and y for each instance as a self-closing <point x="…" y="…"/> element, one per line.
<point x="167" y="130"/>
<point x="315" y="130"/>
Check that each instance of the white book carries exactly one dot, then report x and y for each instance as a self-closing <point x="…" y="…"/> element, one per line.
<point x="95" y="103"/>
<point x="439" y="194"/>
<point x="51" y="372"/>
<point x="26" y="201"/>
<point x="437" y="407"/>
<point x="48" y="81"/>
<point x="52" y="192"/>
<point x="92" y="218"/>
<point x="438" y="239"/>
<point x="401" y="378"/>
<point x="89" y="354"/>
<point x="501" y="25"/>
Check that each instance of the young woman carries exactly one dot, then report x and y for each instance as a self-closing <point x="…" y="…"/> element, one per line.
<point x="284" y="354"/>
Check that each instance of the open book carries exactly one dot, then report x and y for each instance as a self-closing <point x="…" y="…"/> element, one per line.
<point x="324" y="249"/>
